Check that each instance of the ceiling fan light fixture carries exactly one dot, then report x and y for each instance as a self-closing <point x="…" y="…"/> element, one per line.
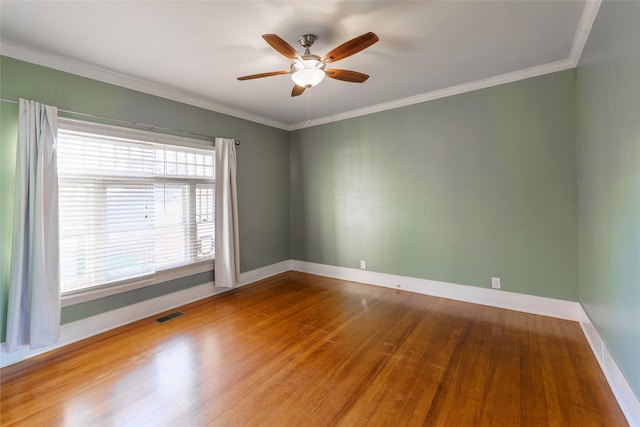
<point x="308" y="77"/>
<point x="308" y="72"/>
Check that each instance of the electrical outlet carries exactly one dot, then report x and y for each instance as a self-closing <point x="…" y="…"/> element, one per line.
<point x="363" y="265"/>
<point x="495" y="283"/>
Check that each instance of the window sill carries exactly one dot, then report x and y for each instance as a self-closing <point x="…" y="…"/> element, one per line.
<point x="137" y="283"/>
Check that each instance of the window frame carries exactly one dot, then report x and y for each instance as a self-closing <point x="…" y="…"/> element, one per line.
<point x="162" y="275"/>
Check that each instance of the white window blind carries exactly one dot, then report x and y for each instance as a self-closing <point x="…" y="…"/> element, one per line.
<point x="131" y="208"/>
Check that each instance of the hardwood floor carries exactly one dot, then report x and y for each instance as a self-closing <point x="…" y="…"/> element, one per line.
<point x="304" y="350"/>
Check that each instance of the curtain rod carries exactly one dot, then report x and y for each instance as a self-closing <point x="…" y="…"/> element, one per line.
<point x="152" y="127"/>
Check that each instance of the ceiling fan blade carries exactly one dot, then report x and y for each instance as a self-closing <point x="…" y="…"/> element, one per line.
<point x="354" y="45"/>
<point x="297" y="90"/>
<point x="257" y="76"/>
<point x="347" y="75"/>
<point x="281" y="46"/>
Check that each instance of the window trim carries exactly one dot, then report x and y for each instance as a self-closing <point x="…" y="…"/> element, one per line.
<point x="126" y="285"/>
<point x="161" y="276"/>
<point x="130" y="133"/>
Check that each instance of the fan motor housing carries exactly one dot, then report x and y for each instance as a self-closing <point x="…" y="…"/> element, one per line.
<point x="306" y="41"/>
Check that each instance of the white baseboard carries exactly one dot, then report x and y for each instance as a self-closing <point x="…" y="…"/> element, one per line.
<point x="263" y="272"/>
<point x="561" y="309"/>
<point x="625" y="396"/>
<point x="94" y="325"/>
<point x="568" y="310"/>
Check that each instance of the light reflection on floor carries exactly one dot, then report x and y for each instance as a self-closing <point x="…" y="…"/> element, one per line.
<point x="158" y="390"/>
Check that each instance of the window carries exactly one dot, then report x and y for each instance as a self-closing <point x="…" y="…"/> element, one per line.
<point x="132" y="205"/>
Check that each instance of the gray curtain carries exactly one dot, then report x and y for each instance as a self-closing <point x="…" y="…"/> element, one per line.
<point x="227" y="253"/>
<point x="33" y="315"/>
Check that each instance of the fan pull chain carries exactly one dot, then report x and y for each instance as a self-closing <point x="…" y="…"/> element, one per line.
<point x="309" y="106"/>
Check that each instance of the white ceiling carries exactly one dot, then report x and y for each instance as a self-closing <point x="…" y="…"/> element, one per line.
<point x="192" y="51"/>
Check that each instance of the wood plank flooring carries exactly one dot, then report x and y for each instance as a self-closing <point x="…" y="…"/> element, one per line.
<point x="304" y="350"/>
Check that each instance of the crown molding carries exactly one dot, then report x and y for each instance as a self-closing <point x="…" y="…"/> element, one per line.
<point x="78" y="68"/>
<point x="589" y="13"/>
<point x="61" y="63"/>
<point x="540" y="70"/>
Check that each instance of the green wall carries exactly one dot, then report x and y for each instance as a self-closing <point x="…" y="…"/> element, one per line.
<point x="608" y="141"/>
<point x="263" y="165"/>
<point x="8" y="135"/>
<point x="459" y="189"/>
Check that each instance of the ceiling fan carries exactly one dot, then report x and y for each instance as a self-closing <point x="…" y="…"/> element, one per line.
<point x="308" y="70"/>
